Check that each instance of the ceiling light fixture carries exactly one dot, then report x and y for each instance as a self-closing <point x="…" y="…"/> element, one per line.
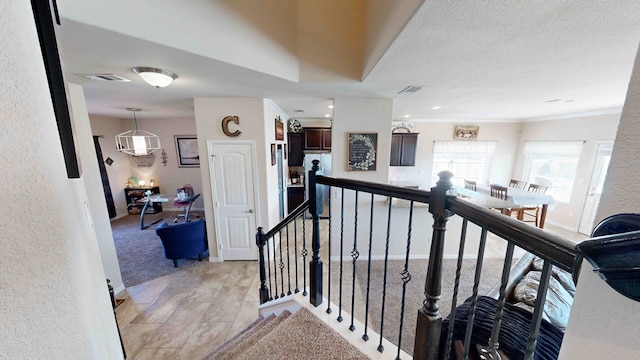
<point x="327" y="115"/>
<point x="330" y="106"/>
<point x="155" y="77"/>
<point x="406" y="116"/>
<point x="436" y="107"/>
<point x="137" y="142"/>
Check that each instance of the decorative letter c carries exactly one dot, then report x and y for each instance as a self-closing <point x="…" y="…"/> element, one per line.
<point x="225" y="126"/>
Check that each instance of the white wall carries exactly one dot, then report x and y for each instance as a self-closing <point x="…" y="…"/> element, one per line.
<point x="169" y="177"/>
<point x="505" y="134"/>
<point x="590" y="129"/>
<point x="93" y="183"/>
<point x="54" y="297"/>
<point x="271" y="110"/>
<point x="256" y="126"/>
<point x="604" y="324"/>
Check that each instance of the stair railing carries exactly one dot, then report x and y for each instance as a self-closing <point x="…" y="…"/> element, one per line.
<point x="442" y="205"/>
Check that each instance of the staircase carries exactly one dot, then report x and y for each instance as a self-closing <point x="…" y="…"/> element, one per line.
<point x="299" y="335"/>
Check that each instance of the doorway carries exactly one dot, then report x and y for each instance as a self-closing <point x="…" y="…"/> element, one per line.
<point x="595" y="187"/>
<point x="234" y="189"/>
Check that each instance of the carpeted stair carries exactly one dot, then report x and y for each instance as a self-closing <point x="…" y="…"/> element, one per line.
<point x="300" y="335"/>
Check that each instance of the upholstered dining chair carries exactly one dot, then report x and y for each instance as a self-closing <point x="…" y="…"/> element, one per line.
<point x="468" y="184"/>
<point x="531" y="213"/>
<point x="185" y="203"/>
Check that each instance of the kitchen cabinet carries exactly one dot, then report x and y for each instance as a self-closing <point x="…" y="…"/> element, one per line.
<point x="317" y="138"/>
<point x="134" y="206"/>
<point x="403" y="149"/>
<point x="295" y="197"/>
<point x="295" y="145"/>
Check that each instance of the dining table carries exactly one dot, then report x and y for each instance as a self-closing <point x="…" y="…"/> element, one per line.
<point x="523" y="198"/>
<point x="484" y="200"/>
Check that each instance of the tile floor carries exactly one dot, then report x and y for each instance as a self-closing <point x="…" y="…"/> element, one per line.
<point x="187" y="314"/>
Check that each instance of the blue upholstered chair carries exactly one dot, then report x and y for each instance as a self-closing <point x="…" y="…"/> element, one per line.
<point x="183" y="240"/>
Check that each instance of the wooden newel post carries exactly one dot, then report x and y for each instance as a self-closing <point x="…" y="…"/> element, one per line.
<point x="429" y="319"/>
<point x="315" y="266"/>
<point x="264" y="291"/>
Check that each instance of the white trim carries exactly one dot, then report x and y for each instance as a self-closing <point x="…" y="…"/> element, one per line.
<point x="574" y="115"/>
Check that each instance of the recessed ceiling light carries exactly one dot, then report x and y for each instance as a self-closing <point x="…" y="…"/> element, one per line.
<point x="326" y="115"/>
<point x="436" y="107"/>
<point x="330" y="106"/>
<point x="407" y="115"/>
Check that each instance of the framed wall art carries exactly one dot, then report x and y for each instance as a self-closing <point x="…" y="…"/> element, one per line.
<point x="279" y="129"/>
<point x="273" y="154"/>
<point x="187" y="150"/>
<point x="362" y="149"/>
<point x="466" y="132"/>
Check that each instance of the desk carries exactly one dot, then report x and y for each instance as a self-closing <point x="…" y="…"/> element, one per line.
<point x="524" y="198"/>
<point x="148" y="200"/>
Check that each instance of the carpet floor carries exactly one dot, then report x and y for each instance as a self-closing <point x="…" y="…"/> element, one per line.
<point x="414" y="293"/>
<point x="140" y="252"/>
<point x="280" y="338"/>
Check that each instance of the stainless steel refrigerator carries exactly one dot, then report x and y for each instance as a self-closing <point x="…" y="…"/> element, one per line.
<point x="324" y="169"/>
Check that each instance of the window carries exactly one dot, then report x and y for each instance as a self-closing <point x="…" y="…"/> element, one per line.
<point x="469" y="160"/>
<point x="553" y="164"/>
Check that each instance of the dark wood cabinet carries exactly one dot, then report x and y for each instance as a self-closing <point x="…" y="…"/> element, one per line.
<point x="133" y="197"/>
<point x="403" y="149"/>
<point x="317" y="138"/>
<point x="295" y="197"/>
<point x="295" y="145"/>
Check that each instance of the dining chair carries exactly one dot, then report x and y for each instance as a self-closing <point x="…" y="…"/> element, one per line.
<point x="470" y="185"/>
<point x="500" y="192"/>
<point x="517" y="184"/>
<point x="531" y="213"/>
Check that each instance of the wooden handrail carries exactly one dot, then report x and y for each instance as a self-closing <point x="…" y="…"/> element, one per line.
<point x="289" y="218"/>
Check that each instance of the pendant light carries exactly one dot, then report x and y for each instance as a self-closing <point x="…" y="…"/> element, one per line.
<point x="137" y="142"/>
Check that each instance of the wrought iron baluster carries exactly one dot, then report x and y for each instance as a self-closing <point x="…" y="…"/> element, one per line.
<point x="474" y="301"/>
<point x="286" y="231"/>
<point x="491" y="351"/>
<point x="304" y="255"/>
<point x="365" y="336"/>
<point x="329" y="259"/>
<point x="354" y="255"/>
<point x="275" y="270"/>
<point x="341" y="252"/>
<point x="269" y="268"/>
<point x="295" y="251"/>
<point x="537" y="310"/>
<point x="384" y="277"/>
<point x="454" y="300"/>
<point x="281" y="264"/>
<point x="406" y="277"/>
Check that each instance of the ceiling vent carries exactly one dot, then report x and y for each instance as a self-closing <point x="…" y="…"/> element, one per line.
<point x="411" y="89"/>
<point x="104" y="77"/>
<point x="298" y="110"/>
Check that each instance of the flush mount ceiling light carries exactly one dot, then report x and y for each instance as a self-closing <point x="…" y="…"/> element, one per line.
<point x="137" y="142"/>
<point x="155" y="77"/>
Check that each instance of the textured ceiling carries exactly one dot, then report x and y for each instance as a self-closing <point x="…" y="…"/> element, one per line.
<point x="478" y="61"/>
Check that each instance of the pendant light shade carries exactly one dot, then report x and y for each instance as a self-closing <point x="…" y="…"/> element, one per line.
<point x="137" y="142"/>
<point x="155" y="77"/>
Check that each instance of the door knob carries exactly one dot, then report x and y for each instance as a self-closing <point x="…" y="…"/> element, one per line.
<point x="250" y="211"/>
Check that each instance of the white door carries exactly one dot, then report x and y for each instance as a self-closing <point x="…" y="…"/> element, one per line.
<point x="233" y="188"/>
<point x="595" y="188"/>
